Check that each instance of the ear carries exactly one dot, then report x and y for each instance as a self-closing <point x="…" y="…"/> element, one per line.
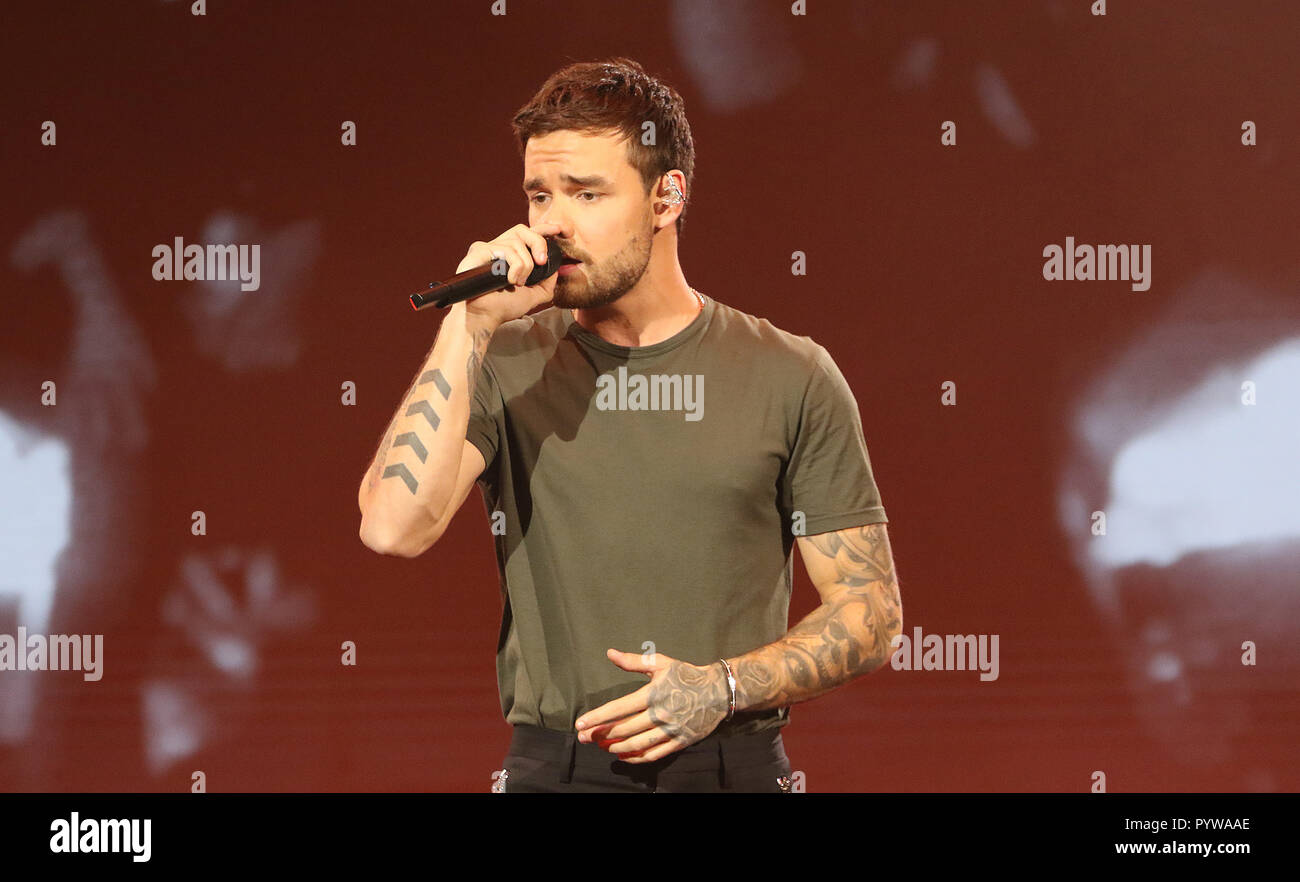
<point x="670" y="197"/>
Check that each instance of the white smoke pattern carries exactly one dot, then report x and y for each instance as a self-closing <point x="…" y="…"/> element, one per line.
<point x="1202" y="541"/>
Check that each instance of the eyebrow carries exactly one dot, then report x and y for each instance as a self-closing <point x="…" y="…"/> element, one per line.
<point x="587" y="181"/>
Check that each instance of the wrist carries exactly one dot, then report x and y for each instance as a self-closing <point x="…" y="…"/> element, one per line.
<point x="729" y="684"/>
<point x="474" y="322"/>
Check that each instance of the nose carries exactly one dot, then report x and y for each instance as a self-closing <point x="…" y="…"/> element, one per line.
<point x="558" y="217"/>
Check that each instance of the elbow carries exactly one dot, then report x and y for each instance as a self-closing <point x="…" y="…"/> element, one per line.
<point x="396" y="543"/>
<point x="891" y="636"/>
<point x="894" y="635"/>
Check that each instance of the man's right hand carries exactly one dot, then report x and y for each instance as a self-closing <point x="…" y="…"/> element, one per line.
<point x="522" y="248"/>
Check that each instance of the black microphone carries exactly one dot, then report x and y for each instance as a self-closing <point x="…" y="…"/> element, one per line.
<point x="481" y="280"/>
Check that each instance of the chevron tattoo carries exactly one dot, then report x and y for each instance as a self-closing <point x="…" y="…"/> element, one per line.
<point x="400" y="470"/>
<point x="425" y="409"/>
<point x="436" y="378"/>
<point x="411" y="439"/>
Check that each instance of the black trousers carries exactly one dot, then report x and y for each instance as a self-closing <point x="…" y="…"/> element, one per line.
<point x="548" y="761"/>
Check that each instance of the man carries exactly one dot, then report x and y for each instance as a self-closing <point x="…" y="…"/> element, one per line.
<point x="645" y="532"/>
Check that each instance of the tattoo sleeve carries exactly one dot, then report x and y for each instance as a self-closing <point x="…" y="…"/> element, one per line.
<point x="848" y="635"/>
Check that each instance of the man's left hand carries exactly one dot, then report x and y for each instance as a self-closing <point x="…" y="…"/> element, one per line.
<point x="681" y="704"/>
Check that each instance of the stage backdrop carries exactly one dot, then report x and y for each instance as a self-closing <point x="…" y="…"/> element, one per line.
<point x="1094" y="480"/>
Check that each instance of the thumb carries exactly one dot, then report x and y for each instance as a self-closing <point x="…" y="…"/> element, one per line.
<point x="631" y="661"/>
<point x="544" y="290"/>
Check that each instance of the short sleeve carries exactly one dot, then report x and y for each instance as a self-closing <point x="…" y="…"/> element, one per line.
<point x="485" y="416"/>
<point x="828" y="477"/>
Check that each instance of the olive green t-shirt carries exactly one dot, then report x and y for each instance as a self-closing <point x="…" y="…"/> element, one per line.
<point x="650" y="497"/>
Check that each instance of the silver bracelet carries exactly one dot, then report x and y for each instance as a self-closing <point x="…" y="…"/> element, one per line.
<point x="731" y="686"/>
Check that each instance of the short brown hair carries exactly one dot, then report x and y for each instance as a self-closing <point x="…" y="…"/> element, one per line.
<point x="615" y="96"/>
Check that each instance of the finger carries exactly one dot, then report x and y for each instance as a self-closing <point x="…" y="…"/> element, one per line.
<point x="599" y="735"/>
<point x="615" y="710"/>
<point x="476" y="255"/>
<point x="494" y="254"/>
<point x="522" y="265"/>
<point x="535" y="243"/>
<point x="546" y="290"/>
<point x="616" y="730"/>
<point x="516" y="257"/>
<point x="619" y="729"/>
<point x="546" y="228"/>
<point x="634" y="661"/>
<point x="637" y="749"/>
<point x="609" y="719"/>
<point x="658" y="752"/>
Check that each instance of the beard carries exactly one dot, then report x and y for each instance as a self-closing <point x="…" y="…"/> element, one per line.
<point x="600" y="284"/>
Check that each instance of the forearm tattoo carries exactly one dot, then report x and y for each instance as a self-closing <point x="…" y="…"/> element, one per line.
<point x="419" y="402"/>
<point x="841" y="639"/>
<point x="477" y="349"/>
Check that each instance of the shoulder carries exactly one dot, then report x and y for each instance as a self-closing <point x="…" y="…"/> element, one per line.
<point x="796" y="354"/>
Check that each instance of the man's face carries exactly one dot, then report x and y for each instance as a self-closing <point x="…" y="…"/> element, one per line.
<point x="585" y="184"/>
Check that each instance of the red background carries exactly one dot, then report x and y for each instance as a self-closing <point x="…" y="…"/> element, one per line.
<point x="924" y="265"/>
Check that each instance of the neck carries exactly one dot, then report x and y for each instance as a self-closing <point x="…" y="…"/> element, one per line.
<point x="660" y="305"/>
